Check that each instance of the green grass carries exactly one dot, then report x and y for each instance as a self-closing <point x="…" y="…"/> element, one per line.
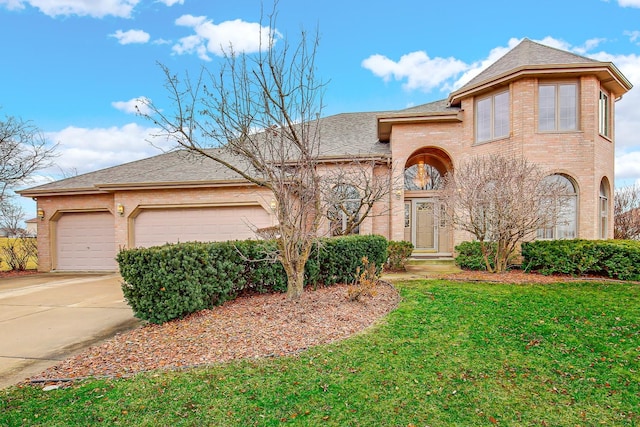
<point x="451" y="354"/>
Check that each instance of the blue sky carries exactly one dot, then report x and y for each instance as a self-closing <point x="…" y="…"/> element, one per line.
<point x="75" y="67"/>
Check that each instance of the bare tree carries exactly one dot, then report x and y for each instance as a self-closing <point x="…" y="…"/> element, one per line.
<point x="11" y="219"/>
<point x="258" y="116"/>
<point x="502" y="201"/>
<point x="350" y="192"/>
<point x="19" y="248"/>
<point x="23" y="151"/>
<point x="626" y="210"/>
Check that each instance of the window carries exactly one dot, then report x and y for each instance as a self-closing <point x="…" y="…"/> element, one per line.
<point x="558" y="107"/>
<point x="421" y="176"/>
<point x="604" y="117"/>
<point x="604" y="208"/>
<point x="567" y="205"/>
<point x="344" y="213"/>
<point x="492" y="117"/>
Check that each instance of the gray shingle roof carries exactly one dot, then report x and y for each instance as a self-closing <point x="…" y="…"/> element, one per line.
<point x="344" y="135"/>
<point x="440" y="106"/>
<point x="527" y="53"/>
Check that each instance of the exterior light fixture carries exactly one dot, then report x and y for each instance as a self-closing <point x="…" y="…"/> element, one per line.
<point x="398" y="194"/>
<point x="120" y="209"/>
<point x="40" y="214"/>
<point x="273" y="205"/>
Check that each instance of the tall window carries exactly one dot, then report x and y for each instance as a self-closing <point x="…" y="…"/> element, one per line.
<point x="567" y="205"/>
<point x="604" y="124"/>
<point x="344" y="212"/>
<point x="492" y="117"/>
<point x="558" y="107"/>
<point x="604" y="209"/>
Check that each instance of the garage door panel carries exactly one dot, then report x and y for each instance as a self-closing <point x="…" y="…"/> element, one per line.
<point x="85" y="242"/>
<point x="159" y="226"/>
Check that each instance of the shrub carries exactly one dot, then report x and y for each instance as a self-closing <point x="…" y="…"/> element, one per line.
<point x="398" y="252"/>
<point x="168" y="282"/>
<point x="171" y="281"/>
<point x="469" y="255"/>
<point x="613" y="258"/>
<point x="338" y="258"/>
<point x="365" y="281"/>
<point x="18" y="252"/>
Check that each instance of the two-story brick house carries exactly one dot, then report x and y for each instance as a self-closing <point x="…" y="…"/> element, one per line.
<point x="550" y="106"/>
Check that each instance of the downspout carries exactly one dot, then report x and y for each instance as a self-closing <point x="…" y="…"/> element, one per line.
<point x="391" y="191"/>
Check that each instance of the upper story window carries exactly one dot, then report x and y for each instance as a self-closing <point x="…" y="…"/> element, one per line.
<point x="492" y="117"/>
<point x="558" y="107"/>
<point x="604" y="117"/>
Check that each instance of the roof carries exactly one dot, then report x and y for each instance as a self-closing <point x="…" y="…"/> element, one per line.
<point x="439" y="111"/>
<point x="529" y="57"/>
<point x="343" y="136"/>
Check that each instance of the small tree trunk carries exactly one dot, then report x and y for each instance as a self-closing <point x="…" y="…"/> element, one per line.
<point x="295" y="282"/>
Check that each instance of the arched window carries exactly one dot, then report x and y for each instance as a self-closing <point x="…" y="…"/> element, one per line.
<point x="566" y="203"/>
<point x="421" y="176"/>
<point x="344" y="210"/>
<point x="604" y="208"/>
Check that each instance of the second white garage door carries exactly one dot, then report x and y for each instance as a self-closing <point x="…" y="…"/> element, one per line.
<point x="159" y="226"/>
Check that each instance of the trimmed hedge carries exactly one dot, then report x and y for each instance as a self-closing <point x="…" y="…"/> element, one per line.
<point x="618" y="259"/>
<point x="168" y="282"/>
<point x="469" y="256"/>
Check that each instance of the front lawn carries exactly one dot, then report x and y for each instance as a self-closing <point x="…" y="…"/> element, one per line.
<point x="451" y="354"/>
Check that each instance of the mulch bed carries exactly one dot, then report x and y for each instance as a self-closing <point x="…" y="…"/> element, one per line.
<point x="254" y="326"/>
<point x="16" y="273"/>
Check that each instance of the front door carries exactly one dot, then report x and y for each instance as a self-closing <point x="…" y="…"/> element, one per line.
<point x="420" y="217"/>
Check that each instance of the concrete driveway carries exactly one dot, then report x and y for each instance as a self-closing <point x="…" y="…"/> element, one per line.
<point x="45" y="318"/>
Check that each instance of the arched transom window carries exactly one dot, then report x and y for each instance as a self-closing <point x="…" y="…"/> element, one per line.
<point x="421" y="176"/>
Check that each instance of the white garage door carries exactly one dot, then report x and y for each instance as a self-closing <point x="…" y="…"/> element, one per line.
<point x="159" y="226"/>
<point x="86" y="242"/>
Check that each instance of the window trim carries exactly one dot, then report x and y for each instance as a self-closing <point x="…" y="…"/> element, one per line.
<point x="492" y="117"/>
<point x="557" y="106"/>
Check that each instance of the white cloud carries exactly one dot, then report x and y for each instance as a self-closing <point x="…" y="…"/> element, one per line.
<point x="12" y="4"/>
<point x="629" y="3"/>
<point x="87" y="150"/>
<point x="588" y="45"/>
<point x="138" y="105"/>
<point x="628" y="166"/>
<point x="131" y="36"/>
<point x="420" y="71"/>
<point x="634" y="36"/>
<point x="210" y="38"/>
<point x="93" y="8"/>
<point x="171" y="2"/>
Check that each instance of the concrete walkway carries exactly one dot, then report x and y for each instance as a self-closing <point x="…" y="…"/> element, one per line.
<point x="46" y="318"/>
